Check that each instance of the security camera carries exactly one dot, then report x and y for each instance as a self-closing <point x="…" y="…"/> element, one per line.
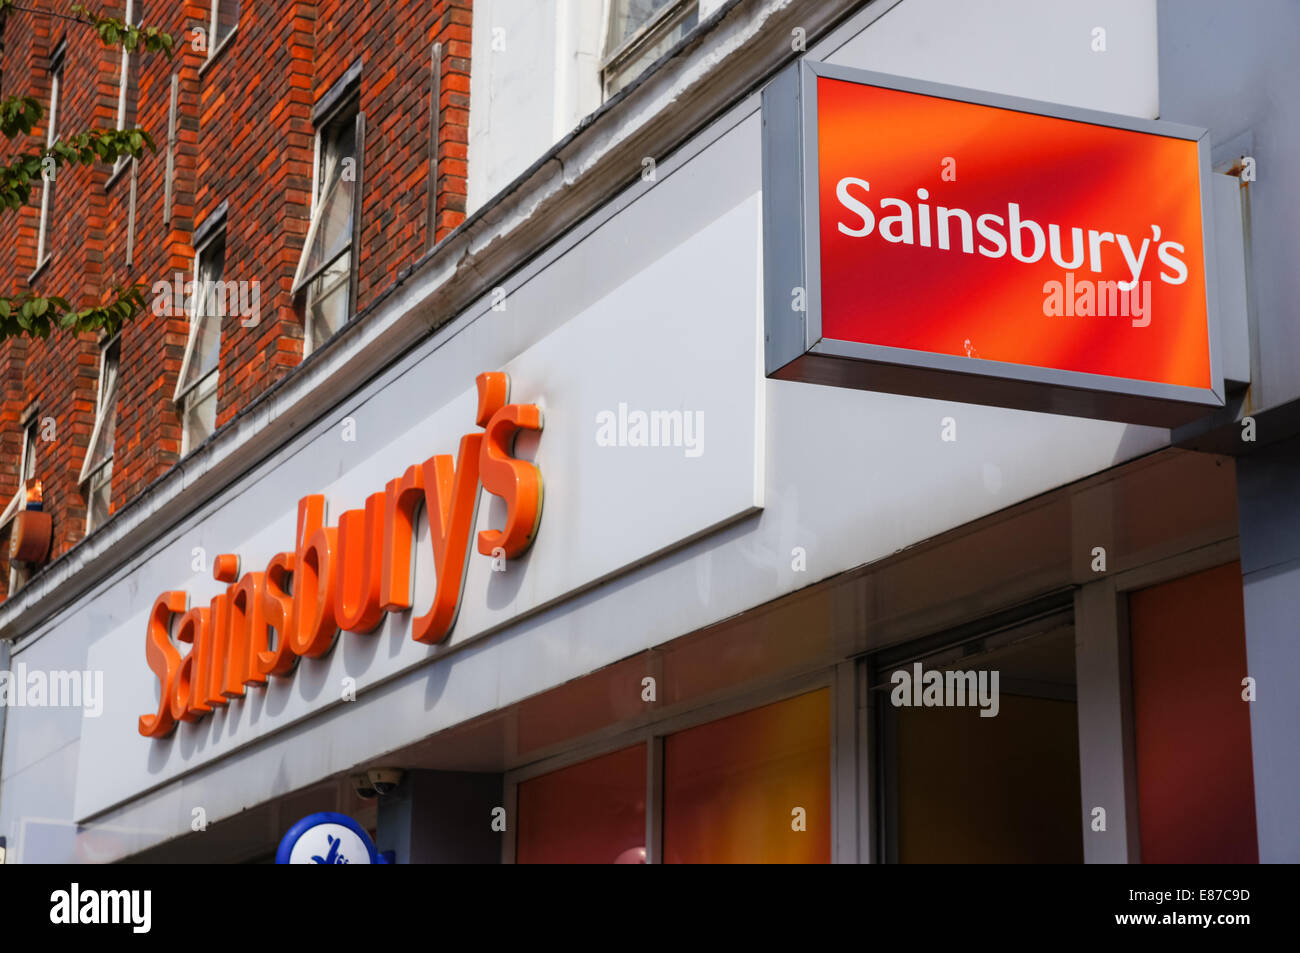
<point x="361" y="784"/>
<point x="385" y="780"/>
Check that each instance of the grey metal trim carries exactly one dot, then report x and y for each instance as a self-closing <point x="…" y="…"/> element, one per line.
<point x="1107" y="761"/>
<point x="783" y="220"/>
<point x="846" y="744"/>
<point x="796" y="348"/>
<point x="1158" y="127"/>
<point x="654" y="815"/>
<point x="833" y="364"/>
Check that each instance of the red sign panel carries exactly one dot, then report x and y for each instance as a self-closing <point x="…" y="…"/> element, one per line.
<point x="967" y="246"/>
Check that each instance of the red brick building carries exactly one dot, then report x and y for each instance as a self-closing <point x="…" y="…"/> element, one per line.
<point x="273" y="123"/>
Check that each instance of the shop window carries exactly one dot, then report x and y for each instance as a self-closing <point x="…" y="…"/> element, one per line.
<point x="593" y="812"/>
<point x="752" y="788"/>
<point x="97" y="472"/>
<point x="981" y="771"/>
<point x="48" y="185"/>
<point x="224" y="19"/>
<point x="638" y="33"/>
<point x="128" y="86"/>
<point x="326" y="274"/>
<point x="1195" y="773"/>
<point x="196" y="388"/>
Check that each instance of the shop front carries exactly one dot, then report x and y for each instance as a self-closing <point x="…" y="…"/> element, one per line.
<point x="597" y="581"/>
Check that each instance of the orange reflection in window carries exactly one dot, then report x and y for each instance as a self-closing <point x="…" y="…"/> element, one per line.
<point x="589" y="813"/>
<point x="732" y="787"/>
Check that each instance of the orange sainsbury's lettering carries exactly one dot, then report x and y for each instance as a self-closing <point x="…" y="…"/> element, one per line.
<point x="182" y="689"/>
<point x="277" y="610"/>
<point x="361" y="542"/>
<point x="163" y="659"/>
<point x="450" y="497"/>
<point x="518" y="482"/>
<point x="346" y="577"/>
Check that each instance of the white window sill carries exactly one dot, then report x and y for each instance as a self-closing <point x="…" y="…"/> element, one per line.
<point x="220" y="48"/>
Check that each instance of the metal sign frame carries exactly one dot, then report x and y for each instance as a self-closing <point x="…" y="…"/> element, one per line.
<point x="796" y="348"/>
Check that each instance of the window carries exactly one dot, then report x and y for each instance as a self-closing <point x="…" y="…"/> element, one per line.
<point x="609" y="828"/>
<point x="639" y="32"/>
<point x="97" y="471"/>
<point x="51" y="133"/>
<point x="1195" y="778"/>
<point x="225" y="17"/>
<point x="128" y="88"/>
<point x="982" y="764"/>
<point x="751" y="787"/>
<point x="19" y="573"/>
<point x="325" y="270"/>
<point x="731" y="787"/>
<point x="196" y="389"/>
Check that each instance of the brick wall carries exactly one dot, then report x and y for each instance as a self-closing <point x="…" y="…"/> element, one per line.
<point x="243" y="137"/>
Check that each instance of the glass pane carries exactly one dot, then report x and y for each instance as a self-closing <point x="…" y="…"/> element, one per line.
<point x="328" y="300"/>
<point x="29" y="454"/>
<point x="227" y="19"/>
<point x="107" y="411"/>
<point x="1195" y="777"/>
<point x="332" y="218"/>
<point x="628" y="16"/>
<point x="97" y="507"/>
<point x="588" y="813"/>
<point x="655" y="46"/>
<point x="200" y="415"/>
<point x="207" y="320"/>
<point x="992" y="790"/>
<point x="736" y="790"/>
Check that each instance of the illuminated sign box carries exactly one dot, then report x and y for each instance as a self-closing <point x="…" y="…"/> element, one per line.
<point x="942" y="242"/>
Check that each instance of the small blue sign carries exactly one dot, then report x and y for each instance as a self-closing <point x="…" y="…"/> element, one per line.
<point x="328" y="838"/>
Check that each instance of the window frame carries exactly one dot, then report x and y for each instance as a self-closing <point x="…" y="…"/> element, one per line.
<point x="215" y="46"/>
<point x="18" y="577"/>
<point x="103" y="471"/>
<point x="660" y="24"/>
<point x="347" y="105"/>
<point x="186" y="396"/>
<point x="133" y="14"/>
<point x="57" y="58"/>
